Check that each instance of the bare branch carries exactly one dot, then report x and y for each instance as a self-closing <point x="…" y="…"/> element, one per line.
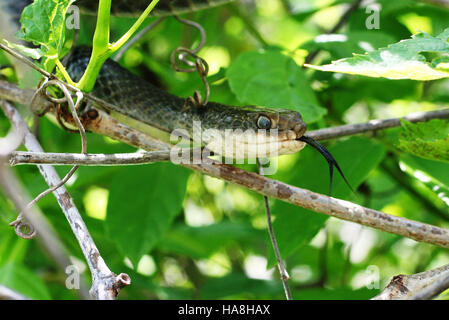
<point x="118" y="159"/>
<point x="36" y="220"/>
<point x="378" y="124"/>
<point x="419" y="286"/>
<point x="282" y="270"/>
<point x="73" y="108"/>
<point x="105" y="284"/>
<point x="327" y="205"/>
<point x="106" y="125"/>
<point x="12" y="92"/>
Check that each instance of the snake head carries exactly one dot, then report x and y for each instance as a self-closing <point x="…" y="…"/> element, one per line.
<point x="251" y="131"/>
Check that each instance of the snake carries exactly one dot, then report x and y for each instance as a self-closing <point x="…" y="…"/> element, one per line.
<point x="230" y="131"/>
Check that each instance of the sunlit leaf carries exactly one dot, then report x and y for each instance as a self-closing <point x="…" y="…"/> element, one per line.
<point x="201" y="242"/>
<point x="402" y="60"/>
<point x="43" y="24"/>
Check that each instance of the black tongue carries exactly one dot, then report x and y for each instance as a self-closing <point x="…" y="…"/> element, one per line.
<point x="330" y="160"/>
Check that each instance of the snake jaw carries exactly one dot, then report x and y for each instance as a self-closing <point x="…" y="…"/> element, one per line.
<point x="250" y="144"/>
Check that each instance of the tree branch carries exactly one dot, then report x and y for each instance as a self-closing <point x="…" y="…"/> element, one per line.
<point x="419" y="286"/>
<point x="378" y="124"/>
<point x="104" y="124"/>
<point x="282" y="270"/>
<point x="105" y="284"/>
<point x="22" y="157"/>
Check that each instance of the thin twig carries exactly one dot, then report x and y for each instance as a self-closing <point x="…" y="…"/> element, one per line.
<point x="105" y="284"/>
<point x="373" y="125"/>
<point x="282" y="270"/>
<point x="118" y="159"/>
<point x="95" y="159"/>
<point x="34" y="217"/>
<point x="433" y="290"/>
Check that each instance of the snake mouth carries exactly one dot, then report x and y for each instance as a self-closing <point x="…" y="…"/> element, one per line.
<point x="252" y="144"/>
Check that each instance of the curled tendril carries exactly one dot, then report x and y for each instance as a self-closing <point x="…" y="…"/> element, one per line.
<point x="20" y="225"/>
<point x="194" y="63"/>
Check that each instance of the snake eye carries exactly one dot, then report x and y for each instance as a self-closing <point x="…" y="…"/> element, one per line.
<point x="263" y="122"/>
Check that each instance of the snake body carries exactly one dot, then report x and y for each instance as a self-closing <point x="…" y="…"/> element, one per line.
<point x="249" y="127"/>
<point x="234" y="132"/>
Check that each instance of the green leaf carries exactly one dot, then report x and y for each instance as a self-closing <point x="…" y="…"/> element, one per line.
<point x="43" y="23"/>
<point x="272" y="79"/>
<point x="237" y="285"/>
<point x="435" y="170"/>
<point x="201" y="242"/>
<point x="294" y="226"/>
<point x="402" y="60"/>
<point x="21" y="279"/>
<point x="426" y="139"/>
<point x="342" y="45"/>
<point x="143" y="202"/>
<point x="12" y="248"/>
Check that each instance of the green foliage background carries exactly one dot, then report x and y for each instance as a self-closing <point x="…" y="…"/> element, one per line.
<point x="181" y="235"/>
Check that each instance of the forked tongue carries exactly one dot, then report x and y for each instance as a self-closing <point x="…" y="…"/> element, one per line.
<point x="330" y="160"/>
